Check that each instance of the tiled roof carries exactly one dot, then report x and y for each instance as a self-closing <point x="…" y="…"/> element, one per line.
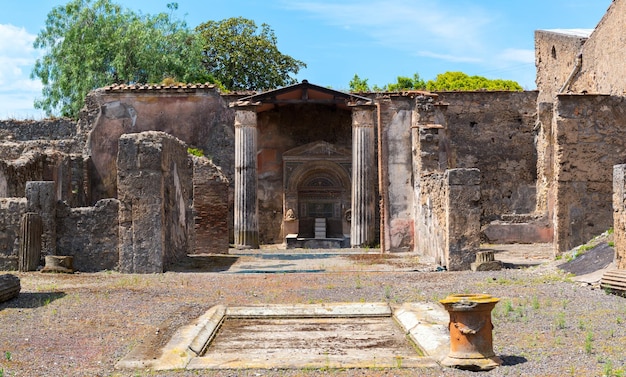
<point x="155" y="87"/>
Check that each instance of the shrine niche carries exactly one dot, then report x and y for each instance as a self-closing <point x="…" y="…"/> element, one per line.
<point x="317" y="189"/>
<point x="298" y="151"/>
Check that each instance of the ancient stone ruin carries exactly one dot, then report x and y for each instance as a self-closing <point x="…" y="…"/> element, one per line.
<point x="306" y="166"/>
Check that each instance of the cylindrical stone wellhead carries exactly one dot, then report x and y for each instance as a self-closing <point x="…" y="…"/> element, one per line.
<point x="471" y="339"/>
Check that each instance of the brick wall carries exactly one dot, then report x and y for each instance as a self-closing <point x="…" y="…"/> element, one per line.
<point x="210" y="206"/>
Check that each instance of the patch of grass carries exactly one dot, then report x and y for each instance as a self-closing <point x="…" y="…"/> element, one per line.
<point x="195" y="152"/>
<point x="8" y="355"/>
<point x="589" y="343"/>
<point x="535" y="303"/>
<point x="508" y="307"/>
<point x="387" y="292"/>
<point x="611" y="244"/>
<point x="560" y="321"/>
<point x="359" y="283"/>
<point x="608" y="371"/>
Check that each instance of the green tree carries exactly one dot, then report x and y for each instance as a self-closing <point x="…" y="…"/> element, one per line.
<point x="358" y="85"/>
<point x="460" y="81"/>
<point x="242" y="57"/>
<point x="406" y="83"/>
<point x="90" y="44"/>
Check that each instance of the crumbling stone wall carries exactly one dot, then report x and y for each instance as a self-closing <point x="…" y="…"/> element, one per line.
<point x="15" y="173"/>
<point x="398" y="113"/>
<point x="47" y="129"/>
<point x="556" y="53"/>
<point x="155" y="178"/>
<point x="589" y="132"/>
<point x="197" y="115"/>
<point x="11" y="211"/>
<point x="448" y="214"/>
<point x="210" y="208"/>
<point x="603" y="64"/>
<point x="493" y="132"/>
<point x="89" y="234"/>
<point x="447" y="201"/>
<point x="619" y="215"/>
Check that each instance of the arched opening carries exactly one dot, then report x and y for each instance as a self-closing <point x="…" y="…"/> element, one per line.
<point x="317" y="200"/>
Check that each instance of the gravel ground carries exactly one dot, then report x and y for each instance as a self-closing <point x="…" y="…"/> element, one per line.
<point x="82" y="324"/>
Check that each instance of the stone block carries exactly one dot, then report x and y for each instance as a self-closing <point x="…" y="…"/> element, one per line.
<point x="155" y="189"/>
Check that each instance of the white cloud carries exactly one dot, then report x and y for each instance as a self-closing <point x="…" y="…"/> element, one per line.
<point x="450" y="58"/>
<point x="517" y="55"/>
<point x="17" y="57"/>
<point x="450" y="33"/>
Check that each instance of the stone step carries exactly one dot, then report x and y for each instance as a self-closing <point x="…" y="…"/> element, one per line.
<point x="519" y="229"/>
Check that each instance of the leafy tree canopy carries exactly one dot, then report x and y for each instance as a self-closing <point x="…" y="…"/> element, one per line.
<point x="90" y="44"/>
<point x="359" y="85"/>
<point x="460" y="81"/>
<point x="449" y="81"/>
<point x="243" y="57"/>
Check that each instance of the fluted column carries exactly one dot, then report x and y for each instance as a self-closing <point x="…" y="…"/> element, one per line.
<point x="363" y="174"/>
<point x="246" y="225"/>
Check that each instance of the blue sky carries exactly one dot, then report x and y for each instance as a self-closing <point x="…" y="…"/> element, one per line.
<point x="376" y="39"/>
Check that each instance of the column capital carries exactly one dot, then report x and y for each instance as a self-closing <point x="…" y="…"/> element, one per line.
<point x="245" y="117"/>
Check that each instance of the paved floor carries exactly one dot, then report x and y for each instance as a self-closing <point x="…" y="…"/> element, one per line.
<point x="274" y="259"/>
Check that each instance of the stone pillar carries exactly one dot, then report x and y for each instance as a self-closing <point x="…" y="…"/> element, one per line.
<point x="41" y="199"/>
<point x="246" y="227"/>
<point x="30" y="242"/>
<point x="363" y="174"/>
<point x="619" y="215"/>
<point x="463" y="217"/>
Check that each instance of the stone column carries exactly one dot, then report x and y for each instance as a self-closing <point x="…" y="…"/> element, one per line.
<point x="42" y="200"/>
<point x="246" y="225"/>
<point x="363" y="174"/>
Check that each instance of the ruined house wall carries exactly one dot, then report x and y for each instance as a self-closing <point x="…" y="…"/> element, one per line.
<point x="493" y="132"/>
<point x="89" y="235"/>
<point x="47" y="129"/>
<point x="41" y="150"/>
<point x="11" y="211"/>
<point x="398" y="113"/>
<point x="210" y="207"/>
<point x="619" y="215"/>
<point x="15" y="173"/>
<point x="395" y="125"/>
<point x="279" y="131"/>
<point x="589" y="132"/>
<point x="555" y="59"/>
<point x="604" y="58"/>
<point x="197" y="116"/>
<point x="155" y="192"/>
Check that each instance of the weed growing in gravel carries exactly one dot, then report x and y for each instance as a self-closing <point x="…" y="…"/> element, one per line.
<point x="359" y="283"/>
<point x="581" y="325"/>
<point x="608" y="370"/>
<point x="8" y="355"/>
<point x="560" y="321"/>
<point x="589" y="342"/>
<point x="535" y="303"/>
<point x="387" y="292"/>
<point x="508" y="307"/>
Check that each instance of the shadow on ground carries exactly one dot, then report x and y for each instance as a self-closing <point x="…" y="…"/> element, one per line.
<point x="31" y="300"/>
<point x="205" y="263"/>
<point x="511" y="360"/>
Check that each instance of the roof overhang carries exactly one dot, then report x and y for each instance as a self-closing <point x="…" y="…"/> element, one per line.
<point x="302" y="93"/>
